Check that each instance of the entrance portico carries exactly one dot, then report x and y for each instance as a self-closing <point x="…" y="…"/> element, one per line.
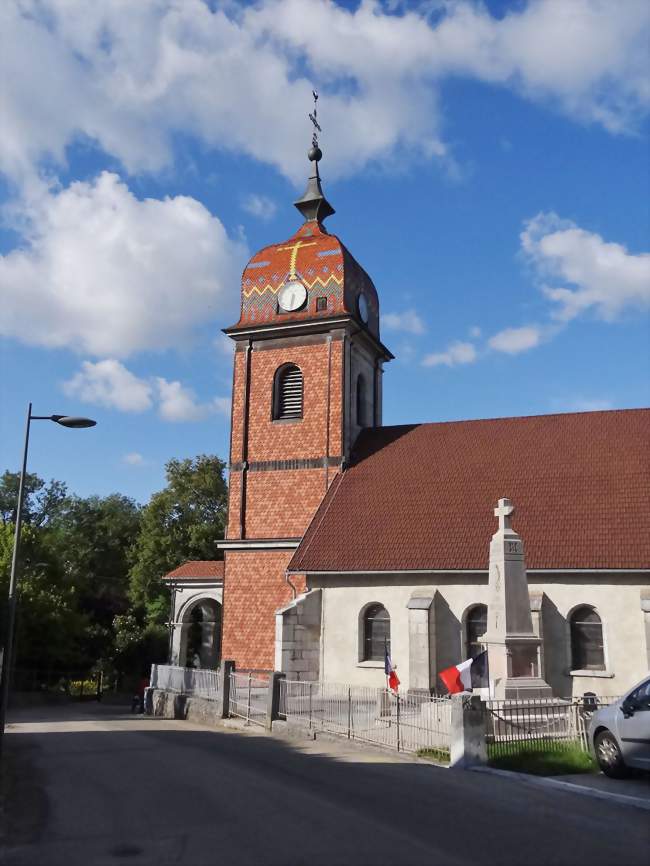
<point x="195" y="614"/>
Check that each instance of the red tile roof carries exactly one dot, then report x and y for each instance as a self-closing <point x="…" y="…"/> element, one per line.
<point x="422" y="496"/>
<point x="324" y="266"/>
<point x="197" y="569"/>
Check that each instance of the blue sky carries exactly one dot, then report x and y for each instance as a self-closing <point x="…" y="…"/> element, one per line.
<point x="488" y="163"/>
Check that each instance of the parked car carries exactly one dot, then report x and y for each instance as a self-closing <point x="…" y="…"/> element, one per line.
<point x="619" y="735"/>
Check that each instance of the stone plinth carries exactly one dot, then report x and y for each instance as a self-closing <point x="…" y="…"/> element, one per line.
<point x="513" y="646"/>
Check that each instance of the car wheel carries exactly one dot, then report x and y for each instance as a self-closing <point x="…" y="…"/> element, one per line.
<point x="608" y="755"/>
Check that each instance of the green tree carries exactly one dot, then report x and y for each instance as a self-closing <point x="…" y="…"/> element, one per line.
<point x="49" y="626"/>
<point x="94" y="537"/>
<point x="42" y="502"/>
<point x="183" y="521"/>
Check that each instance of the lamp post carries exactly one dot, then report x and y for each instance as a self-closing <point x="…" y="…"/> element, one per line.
<point x="8" y="650"/>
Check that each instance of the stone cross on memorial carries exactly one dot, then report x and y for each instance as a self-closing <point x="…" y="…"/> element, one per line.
<point x="512" y="645"/>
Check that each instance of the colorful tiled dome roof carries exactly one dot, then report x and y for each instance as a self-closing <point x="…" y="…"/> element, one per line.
<point x="322" y="264"/>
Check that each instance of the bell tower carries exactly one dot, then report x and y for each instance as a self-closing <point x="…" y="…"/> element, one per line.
<point x="306" y="379"/>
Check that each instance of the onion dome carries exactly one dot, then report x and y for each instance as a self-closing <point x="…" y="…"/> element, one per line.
<point x="309" y="277"/>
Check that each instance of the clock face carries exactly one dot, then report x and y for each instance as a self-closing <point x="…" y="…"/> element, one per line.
<point x="362" y="305"/>
<point x="292" y="296"/>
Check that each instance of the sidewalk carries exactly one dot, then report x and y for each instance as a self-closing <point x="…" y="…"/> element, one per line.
<point x="627" y="792"/>
<point x="635" y="787"/>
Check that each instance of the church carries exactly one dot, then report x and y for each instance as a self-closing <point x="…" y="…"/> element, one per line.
<point x="345" y="537"/>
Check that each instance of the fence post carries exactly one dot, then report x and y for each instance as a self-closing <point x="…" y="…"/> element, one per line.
<point x="227" y="667"/>
<point x="310" y="704"/>
<point x="273" y="699"/>
<point x="468" y="729"/>
<point x="349" y="710"/>
<point x="397" y="696"/>
<point x="248" y="704"/>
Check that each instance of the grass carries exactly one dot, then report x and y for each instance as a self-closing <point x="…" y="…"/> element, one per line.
<point x="541" y="760"/>
<point x="440" y="756"/>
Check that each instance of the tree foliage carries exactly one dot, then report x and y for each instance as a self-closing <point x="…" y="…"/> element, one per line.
<point x="183" y="521"/>
<point x="42" y="502"/>
<point x="89" y="579"/>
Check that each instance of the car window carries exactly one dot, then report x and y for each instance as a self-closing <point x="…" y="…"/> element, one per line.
<point x="640" y="697"/>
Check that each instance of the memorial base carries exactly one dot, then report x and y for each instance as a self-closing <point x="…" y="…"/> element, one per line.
<point x="523" y="688"/>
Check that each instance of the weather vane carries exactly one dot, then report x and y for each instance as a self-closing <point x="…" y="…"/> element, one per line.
<point x="314" y="119"/>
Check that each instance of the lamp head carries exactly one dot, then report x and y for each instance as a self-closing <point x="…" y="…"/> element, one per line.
<point x="72" y="421"/>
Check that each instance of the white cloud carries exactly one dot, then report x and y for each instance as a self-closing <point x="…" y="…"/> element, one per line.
<point x="598" y="276"/>
<point x="134" y="458"/>
<point x="408" y="321"/>
<point x="606" y="279"/>
<point x="259" y="206"/>
<point x="512" y="341"/>
<point x="456" y="353"/>
<point x="109" y="383"/>
<point x="178" y="403"/>
<point x="224" y="345"/>
<point x="105" y="273"/>
<point x="222" y="405"/>
<point x="239" y="77"/>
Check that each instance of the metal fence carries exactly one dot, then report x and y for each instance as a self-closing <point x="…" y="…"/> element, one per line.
<point x="249" y="695"/>
<point x="197" y="682"/>
<point x="543" y="723"/>
<point x="406" y="723"/>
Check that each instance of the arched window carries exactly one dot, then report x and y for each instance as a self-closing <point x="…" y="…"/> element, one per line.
<point x="376" y="632"/>
<point x="287" y="393"/>
<point x="587" y="649"/>
<point x="361" y="401"/>
<point x="475" y="627"/>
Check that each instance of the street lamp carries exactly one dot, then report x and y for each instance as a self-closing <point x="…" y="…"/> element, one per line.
<point x="8" y="650"/>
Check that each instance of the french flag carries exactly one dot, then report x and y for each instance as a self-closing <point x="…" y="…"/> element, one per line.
<point x="393" y="679"/>
<point x="468" y="675"/>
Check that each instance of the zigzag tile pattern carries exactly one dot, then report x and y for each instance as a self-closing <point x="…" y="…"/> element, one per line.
<point x="326" y="269"/>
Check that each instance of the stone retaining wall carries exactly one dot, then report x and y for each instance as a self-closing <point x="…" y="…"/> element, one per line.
<point x="169" y="705"/>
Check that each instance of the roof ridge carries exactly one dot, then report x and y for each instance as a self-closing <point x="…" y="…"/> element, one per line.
<point x="513" y="418"/>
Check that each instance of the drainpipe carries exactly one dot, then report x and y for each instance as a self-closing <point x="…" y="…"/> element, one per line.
<point x="294" y="591"/>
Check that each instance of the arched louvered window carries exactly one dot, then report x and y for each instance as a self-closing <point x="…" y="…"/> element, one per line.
<point x="287" y="393"/>
<point x="587" y="648"/>
<point x="475" y="628"/>
<point x="361" y="402"/>
<point x="376" y="632"/>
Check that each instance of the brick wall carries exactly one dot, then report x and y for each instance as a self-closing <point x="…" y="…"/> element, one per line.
<point x="255" y="588"/>
<point x="279" y="502"/>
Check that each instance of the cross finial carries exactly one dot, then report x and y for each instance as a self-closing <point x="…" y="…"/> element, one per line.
<point x="314" y="119"/>
<point x="504" y="512"/>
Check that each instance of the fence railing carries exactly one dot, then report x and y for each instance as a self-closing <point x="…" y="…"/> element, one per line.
<point x="249" y="695"/>
<point x="406" y="723"/>
<point x="198" y="682"/>
<point x="540" y="723"/>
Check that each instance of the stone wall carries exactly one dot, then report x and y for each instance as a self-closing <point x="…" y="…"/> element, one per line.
<point x="167" y="705"/>
<point x="297" y="637"/>
<point x="618" y="599"/>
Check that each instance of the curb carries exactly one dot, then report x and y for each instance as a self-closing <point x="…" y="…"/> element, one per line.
<point x="570" y="787"/>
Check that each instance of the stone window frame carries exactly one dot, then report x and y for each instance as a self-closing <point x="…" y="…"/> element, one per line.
<point x="605" y="670"/>
<point x="464" y="623"/>
<point x="361" y="631"/>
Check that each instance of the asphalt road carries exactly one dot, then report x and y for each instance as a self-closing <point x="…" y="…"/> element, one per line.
<point x="97" y="786"/>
